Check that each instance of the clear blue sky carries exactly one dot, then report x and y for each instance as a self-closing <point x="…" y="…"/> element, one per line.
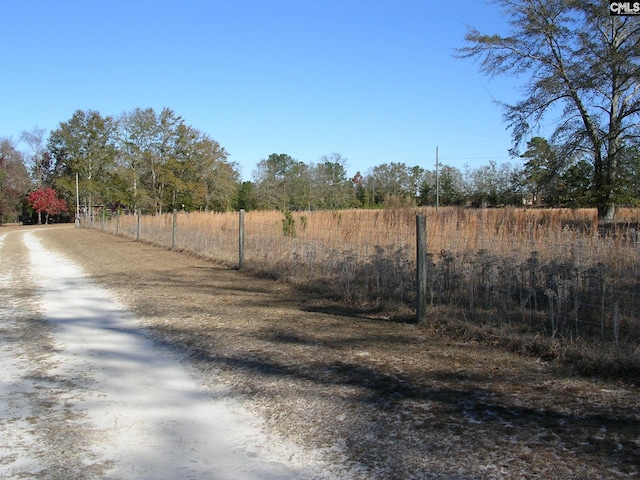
<point x="374" y="80"/>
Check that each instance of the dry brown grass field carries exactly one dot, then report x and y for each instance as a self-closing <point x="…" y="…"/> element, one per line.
<point x="552" y="273"/>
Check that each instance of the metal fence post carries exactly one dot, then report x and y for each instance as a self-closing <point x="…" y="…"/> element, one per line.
<point x="174" y="229"/>
<point x="137" y="225"/>
<point x="240" y="238"/>
<point x="421" y="268"/>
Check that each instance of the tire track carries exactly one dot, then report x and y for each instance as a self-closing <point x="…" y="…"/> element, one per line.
<point x="42" y="434"/>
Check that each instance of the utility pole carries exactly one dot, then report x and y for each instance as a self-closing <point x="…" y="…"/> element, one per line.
<point x="437" y="182"/>
<point x="77" y="203"/>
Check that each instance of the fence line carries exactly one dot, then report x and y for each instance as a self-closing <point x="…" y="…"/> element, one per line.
<point x="533" y="272"/>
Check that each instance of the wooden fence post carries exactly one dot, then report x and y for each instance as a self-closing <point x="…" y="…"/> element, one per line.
<point x="421" y="268"/>
<point x="240" y="238"/>
<point x="117" y="222"/>
<point x="138" y="225"/>
<point x="174" y="229"/>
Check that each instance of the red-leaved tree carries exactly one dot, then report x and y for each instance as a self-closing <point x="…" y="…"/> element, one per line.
<point x="45" y="200"/>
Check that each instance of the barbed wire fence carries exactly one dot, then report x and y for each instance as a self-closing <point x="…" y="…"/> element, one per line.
<point x="573" y="282"/>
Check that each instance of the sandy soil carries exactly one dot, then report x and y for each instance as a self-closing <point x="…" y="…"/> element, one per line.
<point x="364" y="396"/>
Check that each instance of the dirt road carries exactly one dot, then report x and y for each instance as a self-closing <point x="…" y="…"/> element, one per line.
<point x="85" y="393"/>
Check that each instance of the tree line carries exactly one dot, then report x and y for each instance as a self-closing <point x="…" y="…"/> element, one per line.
<point x="153" y="162"/>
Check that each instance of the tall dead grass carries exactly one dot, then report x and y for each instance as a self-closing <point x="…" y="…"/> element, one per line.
<point x="555" y="272"/>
